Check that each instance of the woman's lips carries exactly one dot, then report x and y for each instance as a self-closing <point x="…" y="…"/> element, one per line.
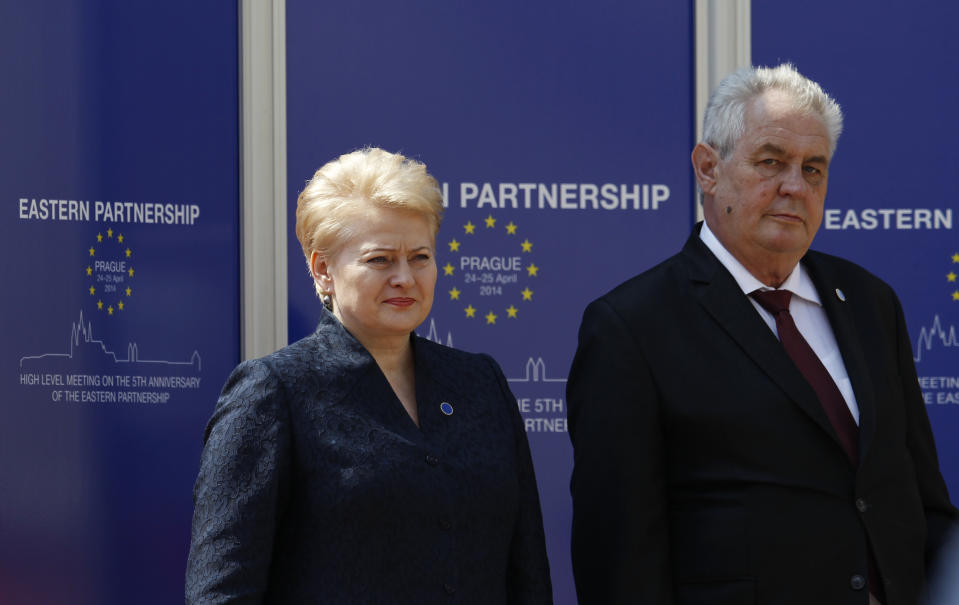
<point x="400" y="302"/>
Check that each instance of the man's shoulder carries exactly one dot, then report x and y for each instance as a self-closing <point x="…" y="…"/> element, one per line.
<point x="836" y="269"/>
<point x="653" y="287"/>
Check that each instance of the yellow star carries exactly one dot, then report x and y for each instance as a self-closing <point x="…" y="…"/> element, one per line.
<point x="110" y="310"/>
<point x="454" y="245"/>
<point x="511" y="311"/>
<point x="447" y="269"/>
<point x="532" y="269"/>
<point x="89" y="271"/>
<point x="129" y="291"/>
<point x="454" y="294"/>
<point x="130" y="271"/>
<point x="490" y="221"/>
<point x="527" y="294"/>
<point x="955" y="257"/>
<point x="469" y="227"/>
<point x="92" y="290"/>
<point x="128" y="252"/>
<point x="949" y="276"/>
<point x="110" y="232"/>
<point x="511" y="228"/>
<point x="527" y="245"/>
<point x="99" y="237"/>
<point x="470" y="311"/>
<point x="955" y="295"/>
<point x="91" y="250"/>
<point x="99" y="304"/>
<point x="120" y="305"/>
<point x="120" y="238"/>
<point x="491" y="318"/>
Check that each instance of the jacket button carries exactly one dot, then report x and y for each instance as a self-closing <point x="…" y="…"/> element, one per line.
<point x="861" y="505"/>
<point x="449" y="588"/>
<point x="445" y="524"/>
<point x="857" y="582"/>
<point x="432" y="460"/>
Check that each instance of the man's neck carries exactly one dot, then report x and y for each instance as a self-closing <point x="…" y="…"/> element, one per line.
<point x="772" y="276"/>
<point x="771" y="272"/>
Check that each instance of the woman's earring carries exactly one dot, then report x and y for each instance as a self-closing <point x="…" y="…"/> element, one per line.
<point x="327" y="301"/>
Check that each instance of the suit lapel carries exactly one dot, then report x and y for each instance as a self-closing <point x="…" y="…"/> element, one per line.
<point x="722" y="298"/>
<point x="429" y="395"/>
<point x="842" y="318"/>
<point x="357" y="383"/>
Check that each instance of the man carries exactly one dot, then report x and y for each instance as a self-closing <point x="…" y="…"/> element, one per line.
<point x="715" y="464"/>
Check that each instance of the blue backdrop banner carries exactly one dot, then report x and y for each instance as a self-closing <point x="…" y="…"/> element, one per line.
<point x="890" y="205"/>
<point x="120" y="187"/>
<point x="560" y="132"/>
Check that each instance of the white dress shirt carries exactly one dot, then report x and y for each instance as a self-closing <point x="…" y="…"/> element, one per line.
<point x="804" y="306"/>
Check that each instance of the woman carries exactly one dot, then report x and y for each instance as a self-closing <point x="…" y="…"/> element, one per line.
<point x="363" y="464"/>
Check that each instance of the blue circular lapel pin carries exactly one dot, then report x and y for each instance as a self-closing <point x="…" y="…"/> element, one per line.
<point x="446" y="408"/>
<point x="840" y="295"/>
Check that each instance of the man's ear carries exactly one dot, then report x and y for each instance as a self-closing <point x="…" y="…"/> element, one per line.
<point x="320" y="268"/>
<point x="705" y="164"/>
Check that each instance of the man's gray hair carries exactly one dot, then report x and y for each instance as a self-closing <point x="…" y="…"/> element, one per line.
<point x="724" y="123"/>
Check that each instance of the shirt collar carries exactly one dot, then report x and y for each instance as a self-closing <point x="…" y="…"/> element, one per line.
<point x="798" y="281"/>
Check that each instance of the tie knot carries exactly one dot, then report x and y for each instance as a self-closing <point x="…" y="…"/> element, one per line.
<point x="774" y="301"/>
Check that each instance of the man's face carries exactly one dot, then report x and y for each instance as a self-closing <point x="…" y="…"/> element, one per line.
<point x="768" y="195"/>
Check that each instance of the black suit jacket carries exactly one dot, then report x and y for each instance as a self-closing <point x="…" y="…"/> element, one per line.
<point x="706" y="470"/>
<point x="315" y="485"/>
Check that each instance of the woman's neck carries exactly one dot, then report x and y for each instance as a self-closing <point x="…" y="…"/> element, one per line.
<point x="396" y="362"/>
<point x="392" y="356"/>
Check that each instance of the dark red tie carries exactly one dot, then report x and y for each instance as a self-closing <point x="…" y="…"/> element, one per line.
<point x="777" y="303"/>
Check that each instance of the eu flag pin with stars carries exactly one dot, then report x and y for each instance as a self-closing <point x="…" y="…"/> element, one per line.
<point x="446" y="408"/>
<point x="840" y="295"/>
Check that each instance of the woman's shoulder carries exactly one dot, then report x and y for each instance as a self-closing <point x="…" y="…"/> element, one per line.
<point x="456" y="366"/>
<point x="322" y="362"/>
<point x="434" y="350"/>
<point x="284" y="365"/>
<point x="302" y="352"/>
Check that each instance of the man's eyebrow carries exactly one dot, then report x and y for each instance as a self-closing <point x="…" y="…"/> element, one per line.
<point x="771" y="148"/>
<point x="777" y="150"/>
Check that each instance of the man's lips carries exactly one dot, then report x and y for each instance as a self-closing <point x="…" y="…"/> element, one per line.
<point x="785" y="216"/>
<point x="400" y="301"/>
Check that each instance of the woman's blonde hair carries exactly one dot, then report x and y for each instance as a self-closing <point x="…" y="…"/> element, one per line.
<point x="348" y="185"/>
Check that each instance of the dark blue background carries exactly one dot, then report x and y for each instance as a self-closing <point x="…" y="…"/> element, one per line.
<point x="108" y="100"/>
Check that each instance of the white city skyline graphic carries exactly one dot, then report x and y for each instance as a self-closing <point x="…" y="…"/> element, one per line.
<point x="536" y="372"/>
<point x="535" y="367"/>
<point x="933" y="335"/>
<point x="433" y="335"/>
<point x="82" y="342"/>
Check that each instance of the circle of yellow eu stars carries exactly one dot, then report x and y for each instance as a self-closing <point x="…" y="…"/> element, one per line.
<point x="97" y="249"/>
<point x="526" y="247"/>
<point x="951" y="277"/>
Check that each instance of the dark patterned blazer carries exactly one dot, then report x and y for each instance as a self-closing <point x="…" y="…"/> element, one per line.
<point x="315" y="485"/>
<point x="707" y="472"/>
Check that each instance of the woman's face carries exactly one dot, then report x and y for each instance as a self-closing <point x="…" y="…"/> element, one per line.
<point x="382" y="278"/>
